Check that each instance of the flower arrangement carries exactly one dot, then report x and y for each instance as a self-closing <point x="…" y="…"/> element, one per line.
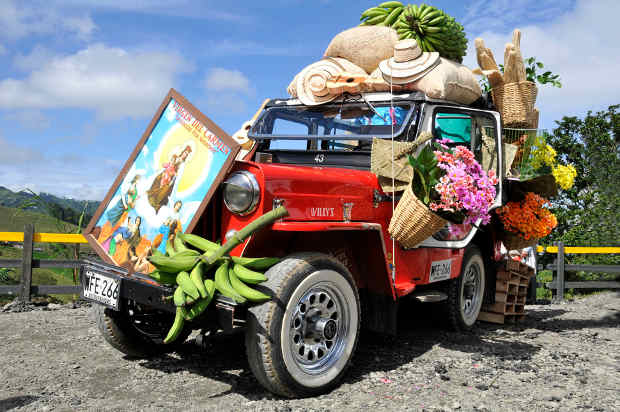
<point x="453" y="184"/>
<point x="543" y="160"/>
<point x="529" y="218"/>
<point x="564" y="175"/>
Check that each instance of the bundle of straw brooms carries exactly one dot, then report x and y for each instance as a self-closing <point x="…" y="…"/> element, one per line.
<point x="513" y="95"/>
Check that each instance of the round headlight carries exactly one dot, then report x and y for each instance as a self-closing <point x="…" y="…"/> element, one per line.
<point x="241" y="192"/>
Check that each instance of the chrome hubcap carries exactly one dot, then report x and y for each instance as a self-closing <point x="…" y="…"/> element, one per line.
<point x="471" y="293"/>
<point x="318" y="328"/>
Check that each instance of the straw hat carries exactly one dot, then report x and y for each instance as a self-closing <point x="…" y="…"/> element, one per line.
<point x="409" y="63"/>
<point x="312" y="80"/>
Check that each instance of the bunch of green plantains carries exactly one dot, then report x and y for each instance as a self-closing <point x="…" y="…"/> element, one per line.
<point x="199" y="267"/>
<point x="433" y="29"/>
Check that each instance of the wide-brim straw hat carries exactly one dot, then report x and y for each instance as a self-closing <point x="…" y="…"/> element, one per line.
<point x="312" y="80"/>
<point x="409" y="63"/>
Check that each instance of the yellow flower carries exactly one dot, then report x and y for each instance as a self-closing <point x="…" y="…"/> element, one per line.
<point x="542" y="154"/>
<point x="564" y="176"/>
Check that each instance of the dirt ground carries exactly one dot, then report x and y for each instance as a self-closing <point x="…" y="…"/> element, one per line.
<point x="562" y="357"/>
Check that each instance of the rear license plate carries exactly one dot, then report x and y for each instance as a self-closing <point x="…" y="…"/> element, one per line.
<point x="101" y="288"/>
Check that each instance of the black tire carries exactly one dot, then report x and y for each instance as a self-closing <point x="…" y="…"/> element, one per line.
<point x="121" y="331"/>
<point x="314" y="302"/>
<point x="465" y="296"/>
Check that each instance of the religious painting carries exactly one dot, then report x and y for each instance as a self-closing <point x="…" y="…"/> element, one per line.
<point x="164" y="187"/>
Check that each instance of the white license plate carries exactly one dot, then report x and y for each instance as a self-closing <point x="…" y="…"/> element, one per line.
<point x="101" y="288"/>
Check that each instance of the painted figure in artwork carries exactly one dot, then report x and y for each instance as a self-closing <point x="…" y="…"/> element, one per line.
<point x="162" y="185"/>
<point x="126" y="203"/>
<point x="140" y="263"/>
<point x="129" y="233"/>
<point x="171" y="226"/>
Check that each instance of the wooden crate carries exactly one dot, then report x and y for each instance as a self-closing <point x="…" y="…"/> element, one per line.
<point x="510" y="293"/>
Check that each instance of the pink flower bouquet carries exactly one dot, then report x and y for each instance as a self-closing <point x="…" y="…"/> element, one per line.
<point x="465" y="191"/>
<point x="453" y="184"/>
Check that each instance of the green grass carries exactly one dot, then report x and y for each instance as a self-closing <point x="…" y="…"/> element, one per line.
<point x="14" y="220"/>
<point x="52" y="276"/>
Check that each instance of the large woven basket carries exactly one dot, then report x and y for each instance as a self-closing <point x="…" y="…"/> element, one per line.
<point x="514" y="242"/>
<point x="413" y="221"/>
<point x="515" y="102"/>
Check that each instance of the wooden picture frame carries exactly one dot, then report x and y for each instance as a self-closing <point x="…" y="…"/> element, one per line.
<point x="178" y="163"/>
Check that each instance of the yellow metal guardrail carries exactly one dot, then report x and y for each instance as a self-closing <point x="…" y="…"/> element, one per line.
<point x="44" y="237"/>
<point x="77" y="238"/>
<point x="580" y="249"/>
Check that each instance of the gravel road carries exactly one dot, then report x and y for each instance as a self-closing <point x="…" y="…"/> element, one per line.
<point x="562" y="357"/>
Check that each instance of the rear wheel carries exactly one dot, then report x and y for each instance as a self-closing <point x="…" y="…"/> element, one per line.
<point x="137" y="331"/>
<point x="466" y="293"/>
<point x="301" y="342"/>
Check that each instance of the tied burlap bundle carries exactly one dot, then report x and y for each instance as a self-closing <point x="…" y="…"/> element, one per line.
<point x="381" y="161"/>
<point x="489" y="155"/>
<point x="366" y="46"/>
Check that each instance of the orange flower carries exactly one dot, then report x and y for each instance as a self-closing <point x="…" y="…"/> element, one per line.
<point x="529" y="218"/>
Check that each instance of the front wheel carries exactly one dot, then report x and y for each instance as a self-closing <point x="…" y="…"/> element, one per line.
<point x="466" y="293"/>
<point x="300" y="343"/>
<point x="137" y="331"/>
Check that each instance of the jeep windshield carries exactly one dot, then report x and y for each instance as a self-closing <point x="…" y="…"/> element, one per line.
<point x="345" y="127"/>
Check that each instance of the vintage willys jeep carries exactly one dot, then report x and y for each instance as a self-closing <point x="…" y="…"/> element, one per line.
<point x="340" y="270"/>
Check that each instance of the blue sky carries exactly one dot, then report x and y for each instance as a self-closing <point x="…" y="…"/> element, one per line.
<point x="80" y="79"/>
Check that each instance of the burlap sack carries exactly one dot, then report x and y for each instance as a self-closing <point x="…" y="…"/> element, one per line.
<point x="450" y="81"/>
<point x="381" y="164"/>
<point x="489" y="155"/>
<point x="365" y="46"/>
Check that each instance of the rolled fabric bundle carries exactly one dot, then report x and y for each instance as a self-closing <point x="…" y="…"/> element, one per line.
<point x="312" y="80"/>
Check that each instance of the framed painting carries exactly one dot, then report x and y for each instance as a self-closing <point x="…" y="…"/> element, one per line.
<point x="164" y="186"/>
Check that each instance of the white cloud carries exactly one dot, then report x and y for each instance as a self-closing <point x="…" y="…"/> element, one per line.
<point x="112" y="81"/>
<point x="579" y="45"/>
<point x="177" y="8"/>
<point x="28" y="119"/>
<point x="249" y="48"/>
<point x="69" y="174"/>
<point x="11" y="154"/>
<point x="38" y="57"/>
<point x="226" y="90"/>
<point x="219" y="79"/>
<point x="20" y="19"/>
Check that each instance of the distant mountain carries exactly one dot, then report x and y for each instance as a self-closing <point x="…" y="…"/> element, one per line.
<point x="68" y="210"/>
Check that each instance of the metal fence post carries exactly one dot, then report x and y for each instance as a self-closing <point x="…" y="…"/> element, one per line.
<point x="561" y="281"/>
<point x="26" y="280"/>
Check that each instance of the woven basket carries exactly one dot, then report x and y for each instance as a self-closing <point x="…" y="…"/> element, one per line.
<point x="413" y="221"/>
<point x="513" y="241"/>
<point x="515" y="102"/>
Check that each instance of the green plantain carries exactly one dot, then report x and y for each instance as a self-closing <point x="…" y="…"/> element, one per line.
<point x="184" y="281"/>
<point x="244" y="290"/>
<point x="247" y="275"/>
<point x="177" y="325"/>
<point x="222" y="284"/>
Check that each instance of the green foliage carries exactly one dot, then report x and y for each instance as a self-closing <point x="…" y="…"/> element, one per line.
<point x="426" y="173"/>
<point x="531" y="71"/>
<point x="5" y="274"/>
<point x="589" y="212"/>
<point x="67" y="210"/>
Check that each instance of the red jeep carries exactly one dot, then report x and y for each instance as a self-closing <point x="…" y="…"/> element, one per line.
<point x="340" y="270"/>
